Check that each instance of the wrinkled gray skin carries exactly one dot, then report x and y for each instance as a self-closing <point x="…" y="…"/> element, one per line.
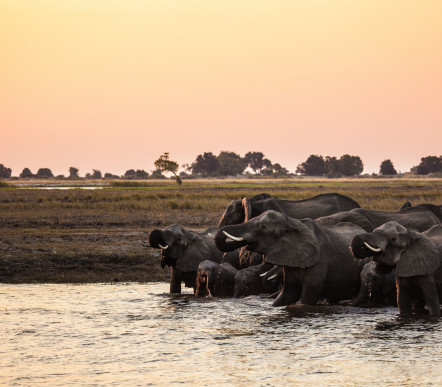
<point x="272" y="280"/>
<point x="416" y="258"/>
<point x="215" y="279"/>
<point x="249" y="258"/>
<point x="183" y="250"/>
<point x="239" y="211"/>
<point x="378" y="287"/>
<point x="316" y="261"/>
<point x="435" y="209"/>
<point x="419" y="217"/>
<point x="248" y="281"/>
<point x="223" y="280"/>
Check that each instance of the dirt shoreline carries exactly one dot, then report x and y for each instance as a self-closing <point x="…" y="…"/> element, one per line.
<point x="84" y="253"/>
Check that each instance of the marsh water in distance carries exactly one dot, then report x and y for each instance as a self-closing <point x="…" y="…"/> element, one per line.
<point x="139" y="334"/>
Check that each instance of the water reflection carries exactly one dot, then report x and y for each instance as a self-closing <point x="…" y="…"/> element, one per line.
<point x="138" y="334"/>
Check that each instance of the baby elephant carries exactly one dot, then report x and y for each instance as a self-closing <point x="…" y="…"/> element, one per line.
<point x="378" y="286"/>
<point x="416" y="258"/>
<point x="223" y="280"/>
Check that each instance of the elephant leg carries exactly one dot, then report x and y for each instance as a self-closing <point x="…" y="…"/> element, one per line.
<point x="403" y="298"/>
<point x="431" y="297"/>
<point x="311" y="293"/>
<point x="175" y="281"/>
<point x="362" y="296"/>
<point x="291" y="289"/>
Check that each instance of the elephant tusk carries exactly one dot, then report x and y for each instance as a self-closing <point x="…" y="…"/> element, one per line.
<point x="211" y="236"/>
<point x="233" y="238"/>
<point x="263" y="274"/>
<point x="144" y="244"/>
<point x="163" y="247"/>
<point x="272" y="277"/>
<point x="375" y="249"/>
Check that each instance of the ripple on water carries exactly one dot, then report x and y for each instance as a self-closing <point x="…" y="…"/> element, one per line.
<point x="139" y="334"/>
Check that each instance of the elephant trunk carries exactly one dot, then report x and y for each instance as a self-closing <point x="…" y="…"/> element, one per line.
<point x="230" y="238"/>
<point x="157" y="239"/>
<point x="367" y="245"/>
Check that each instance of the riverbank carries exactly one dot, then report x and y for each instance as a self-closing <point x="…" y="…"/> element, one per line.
<point x="82" y="235"/>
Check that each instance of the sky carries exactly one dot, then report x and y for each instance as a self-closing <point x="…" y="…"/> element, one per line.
<point x="112" y="84"/>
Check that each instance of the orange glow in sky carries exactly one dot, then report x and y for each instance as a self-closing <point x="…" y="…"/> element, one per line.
<point x="112" y="84"/>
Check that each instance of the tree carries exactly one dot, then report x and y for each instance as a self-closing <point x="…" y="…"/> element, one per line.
<point x="166" y="165"/>
<point x="44" y="173"/>
<point x="73" y="173"/>
<point x="256" y="161"/>
<point x="350" y="165"/>
<point x="230" y="164"/>
<point x="129" y="174"/>
<point x="279" y="170"/>
<point x="205" y="165"/>
<point x="26" y="173"/>
<point x="96" y="174"/>
<point x="109" y="175"/>
<point x="332" y="166"/>
<point x="141" y="174"/>
<point x="5" y="172"/>
<point x="157" y="174"/>
<point x="387" y="168"/>
<point x="313" y="166"/>
<point x="429" y="164"/>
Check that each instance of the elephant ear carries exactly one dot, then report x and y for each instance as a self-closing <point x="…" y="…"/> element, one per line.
<point x="299" y="247"/>
<point x="195" y="251"/>
<point x="421" y="257"/>
<point x="247" y="209"/>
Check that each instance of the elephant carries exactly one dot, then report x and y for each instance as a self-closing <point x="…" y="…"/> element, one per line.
<point x="416" y="258"/>
<point x="435" y="209"/>
<point x="272" y="280"/>
<point x="316" y="260"/>
<point x="418" y="217"/>
<point x="223" y="280"/>
<point x="248" y="281"/>
<point x="215" y="279"/>
<point x="378" y="286"/>
<point x="239" y="211"/>
<point x="248" y="258"/>
<point x="183" y="249"/>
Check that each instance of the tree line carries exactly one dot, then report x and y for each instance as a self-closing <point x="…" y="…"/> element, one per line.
<point x="228" y="163"/>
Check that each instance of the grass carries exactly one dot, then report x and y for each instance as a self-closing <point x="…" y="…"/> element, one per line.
<point x="78" y="235"/>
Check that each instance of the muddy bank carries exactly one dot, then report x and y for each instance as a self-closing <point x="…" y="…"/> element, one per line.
<point x="78" y="257"/>
<point x="85" y="248"/>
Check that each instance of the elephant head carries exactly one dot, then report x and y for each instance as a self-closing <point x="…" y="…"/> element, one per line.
<point x="410" y="252"/>
<point x="205" y="278"/>
<point x="285" y="241"/>
<point x="239" y="211"/>
<point x="180" y="248"/>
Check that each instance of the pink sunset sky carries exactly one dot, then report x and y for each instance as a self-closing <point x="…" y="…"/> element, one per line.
<point x="112" y="84"/>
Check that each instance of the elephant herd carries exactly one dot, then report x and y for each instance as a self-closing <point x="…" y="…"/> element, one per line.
<point x="323" y="248"/>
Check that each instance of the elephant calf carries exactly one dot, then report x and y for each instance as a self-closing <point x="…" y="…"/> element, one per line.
<point x="223" y="280"/>
<point x="416" y="258"/>
<point x="378" y="286"/>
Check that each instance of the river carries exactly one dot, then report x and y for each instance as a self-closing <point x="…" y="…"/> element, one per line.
<point x="139" y="335"/>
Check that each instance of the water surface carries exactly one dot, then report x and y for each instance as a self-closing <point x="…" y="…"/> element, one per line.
<point x="138" y="334"/>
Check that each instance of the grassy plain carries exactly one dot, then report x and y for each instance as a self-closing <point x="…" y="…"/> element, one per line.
<point x="91" y="235"/>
